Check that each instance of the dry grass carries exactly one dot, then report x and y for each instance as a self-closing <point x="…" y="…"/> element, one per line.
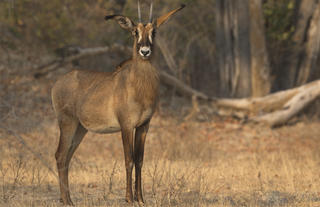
<point x="186" y="164"/>
<point x="210" y="163"/>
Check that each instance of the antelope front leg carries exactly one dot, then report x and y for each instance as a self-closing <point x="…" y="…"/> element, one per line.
<point x="127" y="140"/>
<point x="139" y="142"/>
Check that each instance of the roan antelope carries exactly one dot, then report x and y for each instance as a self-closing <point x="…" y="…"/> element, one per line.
<point x="102" y="102"/>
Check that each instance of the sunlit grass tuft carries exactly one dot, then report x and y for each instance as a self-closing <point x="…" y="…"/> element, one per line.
<point x="186" y="164"/>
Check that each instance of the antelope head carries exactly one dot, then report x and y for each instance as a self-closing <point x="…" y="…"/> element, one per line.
<point x="143" y="34"/>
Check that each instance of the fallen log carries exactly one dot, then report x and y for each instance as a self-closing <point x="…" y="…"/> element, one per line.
<point x="274" y="109"/>
<point x="277" y="108"/>
<point x="304" y="96"/>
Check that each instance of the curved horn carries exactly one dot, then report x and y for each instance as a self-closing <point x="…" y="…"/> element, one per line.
<point x="151" y="11"/>
<point x="139" y="11"/>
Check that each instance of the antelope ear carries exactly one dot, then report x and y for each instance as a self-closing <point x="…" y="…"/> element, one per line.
<point x="165" y="17"/>
<point x="123" y="21"/>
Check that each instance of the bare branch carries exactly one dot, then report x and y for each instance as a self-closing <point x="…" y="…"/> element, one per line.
<point x="274" y="109"/>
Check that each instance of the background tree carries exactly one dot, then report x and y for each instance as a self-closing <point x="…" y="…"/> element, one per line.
<point x="260" y="67"/>
<point x="308" y="67"/>
<point x="233" y="48"/>
<point x="303" y="17"/>
<point x="223" y="48"/>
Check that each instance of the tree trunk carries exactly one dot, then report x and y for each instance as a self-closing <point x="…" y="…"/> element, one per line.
<point x="309" y="62"/>
<point x="242" y="85"/>
<point x="221" y="46"/>
<point x="232" y="45"/>
<point x="260" y="68"/>
<point x="305" y="10"/>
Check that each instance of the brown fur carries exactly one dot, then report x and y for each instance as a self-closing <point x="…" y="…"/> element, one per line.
<point x="101" y="102"/>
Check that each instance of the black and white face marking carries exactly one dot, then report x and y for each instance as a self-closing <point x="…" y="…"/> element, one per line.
<point x="145" y="51"/>
<point x="145" y="35"/>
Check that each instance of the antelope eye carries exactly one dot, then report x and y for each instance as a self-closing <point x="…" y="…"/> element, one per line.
<point x="136" y="33"/>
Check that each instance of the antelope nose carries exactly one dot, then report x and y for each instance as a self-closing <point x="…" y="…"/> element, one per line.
<point x="145" y="52"/>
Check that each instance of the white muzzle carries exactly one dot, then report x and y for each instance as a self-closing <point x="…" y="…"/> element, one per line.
<point x="145" y="51"/>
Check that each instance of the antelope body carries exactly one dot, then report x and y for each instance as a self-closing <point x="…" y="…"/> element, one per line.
<point x="102" y="102"/>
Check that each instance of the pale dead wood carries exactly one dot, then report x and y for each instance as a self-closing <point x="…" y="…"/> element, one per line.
<point x="267" y="103"/>
<point x="258" y="105"/>
<point x="296" y="104"/>
<point x="273" y="109"/>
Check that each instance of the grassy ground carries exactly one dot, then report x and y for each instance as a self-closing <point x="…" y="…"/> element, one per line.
<point x="187" y="163"/>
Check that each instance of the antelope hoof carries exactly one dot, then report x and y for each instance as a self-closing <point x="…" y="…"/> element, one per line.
<point x="129" y="200"/>
<point x="139" y="199"/>
<point x="141" y="203"/>
<point x="66" y="202"/>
